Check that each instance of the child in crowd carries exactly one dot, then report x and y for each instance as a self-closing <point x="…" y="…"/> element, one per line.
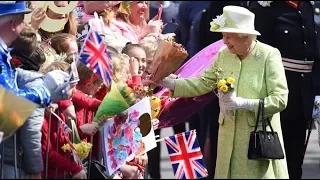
<point x="137" y="65"/>
<point x="49" y="53"/>
<point x="56" y="157"/>
<point x="83" y="106"/>
<point x="150" y="48"/>
<point x="137" y="59"/>
<point x="64" y="43"/>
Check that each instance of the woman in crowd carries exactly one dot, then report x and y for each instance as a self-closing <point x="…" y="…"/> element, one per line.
<point x="130" y="26"/>
<point x="39" y="15"/>
<point x="259" y="73"/>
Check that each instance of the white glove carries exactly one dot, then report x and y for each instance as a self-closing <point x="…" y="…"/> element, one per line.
<point x="226" y="113"/>
<point x="57" y="82"/>
<point x="168" y="83"/>
<point x="316" y="108"/>
<point x="229" y="101"/>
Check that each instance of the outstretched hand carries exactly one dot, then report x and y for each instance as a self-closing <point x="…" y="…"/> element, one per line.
<point x="147" y="82"/>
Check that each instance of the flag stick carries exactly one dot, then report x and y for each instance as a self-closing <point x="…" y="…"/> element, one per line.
<point x="162" y="139"/>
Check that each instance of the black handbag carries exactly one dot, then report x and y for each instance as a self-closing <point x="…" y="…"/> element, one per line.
<point x="98" y="171"/>
<point x="264" y="144"/>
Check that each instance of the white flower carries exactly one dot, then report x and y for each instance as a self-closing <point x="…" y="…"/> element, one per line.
<point x="218" y="22"/>
<point x="265" y="3"/>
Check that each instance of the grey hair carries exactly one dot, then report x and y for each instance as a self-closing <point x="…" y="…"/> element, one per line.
<point x="10" y="17"/>
<point x="250" y="36"/>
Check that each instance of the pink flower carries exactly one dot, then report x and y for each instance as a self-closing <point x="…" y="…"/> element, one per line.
<point x="114" y="164"/>
<point x="111" y="152"/>
<point x="128" y="132"/>
<point x="134" y="114"/>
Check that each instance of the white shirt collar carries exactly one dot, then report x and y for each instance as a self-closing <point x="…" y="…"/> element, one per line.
<point x="3" y="45"/>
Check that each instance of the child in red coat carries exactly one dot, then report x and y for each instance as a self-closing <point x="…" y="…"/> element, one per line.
<point x="53" y="141"/>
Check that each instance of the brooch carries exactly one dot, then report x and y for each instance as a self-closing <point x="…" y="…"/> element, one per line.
<point x="257" y="55"/>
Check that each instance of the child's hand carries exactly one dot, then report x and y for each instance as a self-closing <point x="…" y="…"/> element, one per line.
<point x="80" y="175"/>
<point x="142" y="159"/>
<point x="70" y="112"/>
<point x="37" y="17"/>
<point x="134" y="66"/>
<point x="89" y="129"/>
<point x="129" y="172"/>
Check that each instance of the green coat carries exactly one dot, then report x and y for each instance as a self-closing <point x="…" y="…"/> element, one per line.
<point x="259" y="75"/>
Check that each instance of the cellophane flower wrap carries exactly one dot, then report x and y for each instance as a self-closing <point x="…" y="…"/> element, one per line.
<point x="167" y="59"/>
<point x="120" y="98"/>
<point x="178" y="110"/>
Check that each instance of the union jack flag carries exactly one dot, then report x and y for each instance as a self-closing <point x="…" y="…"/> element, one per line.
<point x="95" y="56"/>
<point x="66" y="128"/>
<point x="185" y="155"/>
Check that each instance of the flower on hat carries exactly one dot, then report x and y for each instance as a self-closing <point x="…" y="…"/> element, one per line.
<point x="217" y="23"/>
<point x="265" y="3"/>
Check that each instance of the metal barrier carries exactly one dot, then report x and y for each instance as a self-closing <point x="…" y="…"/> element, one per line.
<point x="47" y="148"/>
<point x="15" y="156"/>
<point x="2" y="159"/>
<point x="18" y="173"/>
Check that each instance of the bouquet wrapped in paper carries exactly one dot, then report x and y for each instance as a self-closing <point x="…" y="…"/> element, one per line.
<point x="177" y="110"/>
<point x="119" y="99"/>
<point x="167" y="59"/>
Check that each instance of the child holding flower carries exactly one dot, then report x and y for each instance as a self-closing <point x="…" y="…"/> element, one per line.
<point x="58" y="159"/>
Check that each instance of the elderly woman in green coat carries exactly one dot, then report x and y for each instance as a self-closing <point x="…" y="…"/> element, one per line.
<point x="258" y="73"/>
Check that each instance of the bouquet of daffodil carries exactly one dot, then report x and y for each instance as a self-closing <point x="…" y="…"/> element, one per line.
<point x="224" y="84"/>
<point x="83" y="148"/>
<point x="156" y="102"/>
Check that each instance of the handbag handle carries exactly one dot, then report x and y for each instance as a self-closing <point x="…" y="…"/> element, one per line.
<point x="262" y="115"/>
<point x="265" y="119"/>
<point x="258" y="116"/>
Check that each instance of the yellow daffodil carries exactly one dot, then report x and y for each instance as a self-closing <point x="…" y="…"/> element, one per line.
<point x="230" y="80"/>
<point x="66" y="147"/>
<point x="82" y="149"/>
<point x="224" y="88"/>
<point x="222" y="83"/>
<point x="214" y="26"/>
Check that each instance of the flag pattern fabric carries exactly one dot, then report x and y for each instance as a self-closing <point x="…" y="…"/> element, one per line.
<point x="186" y="156"/>
<point x="66" y="129"/>
<point x="95" y="56"/>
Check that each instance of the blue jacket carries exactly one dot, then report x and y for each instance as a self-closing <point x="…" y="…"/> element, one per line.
<point x="29" y="134"/>
<point x="37" y="94"/>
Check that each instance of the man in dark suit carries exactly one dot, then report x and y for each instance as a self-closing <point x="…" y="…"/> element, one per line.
<point x="290" y="27"/>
